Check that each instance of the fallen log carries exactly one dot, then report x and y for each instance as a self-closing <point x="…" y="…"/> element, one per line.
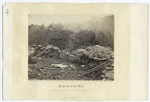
<point x="98" y="73"/>
<point x="105" y="64"/>
<point x="46" y="48"/>
<point x="32" y="76"/>
<point x="46" y="67"/>
<point x="40" y="70"/>
<point x="40" y="53"/>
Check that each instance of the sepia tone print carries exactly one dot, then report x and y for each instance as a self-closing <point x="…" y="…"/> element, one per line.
<point x="71" y="47"/>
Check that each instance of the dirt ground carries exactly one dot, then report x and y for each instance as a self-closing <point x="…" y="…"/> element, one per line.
<point x="44" y="70"/>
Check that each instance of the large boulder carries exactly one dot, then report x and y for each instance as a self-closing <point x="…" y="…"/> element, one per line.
<point x="99" y="52"/>
<point x="95" y="52"/>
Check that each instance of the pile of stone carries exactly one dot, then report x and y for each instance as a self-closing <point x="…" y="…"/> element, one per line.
<point x="44" y="51"/>
<point x="95" y="52"/>
<point x="97" y="59"/>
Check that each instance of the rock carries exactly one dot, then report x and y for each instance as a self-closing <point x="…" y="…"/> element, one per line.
<point x="31" y="60"/>
<point x="104" y="79"/>
<point x="40" y="58"/>
<point x="63" y="55"/>
<point x="82" y="47"/>
<point x="79" y="52"/>
<point x="98" y="52"/>
<point x="110" y="76"/>
<point x="46" y="51"/>
<point x="110" y="68"/>
<point x="59" y="66"/>
<point x="73" y="58"/>
<point x="104" y="71"/>
<point x="95" y="52"/>
<point x="72" y="66"/>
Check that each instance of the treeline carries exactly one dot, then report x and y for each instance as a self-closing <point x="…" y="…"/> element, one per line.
<point x="57" y="35"/>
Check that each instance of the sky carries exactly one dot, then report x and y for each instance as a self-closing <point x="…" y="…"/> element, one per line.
<point x="47" y="19"/>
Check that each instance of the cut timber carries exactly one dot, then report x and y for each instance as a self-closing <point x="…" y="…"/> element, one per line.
<point x="105" y="64"/>
<point x="40" y="53"/>
<point x="99" y="72"/>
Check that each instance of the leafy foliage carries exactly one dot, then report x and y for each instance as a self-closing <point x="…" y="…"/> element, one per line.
<point x="57" y="35"/>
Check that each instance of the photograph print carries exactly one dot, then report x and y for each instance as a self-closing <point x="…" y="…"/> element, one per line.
<point x="71" y="47"/>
